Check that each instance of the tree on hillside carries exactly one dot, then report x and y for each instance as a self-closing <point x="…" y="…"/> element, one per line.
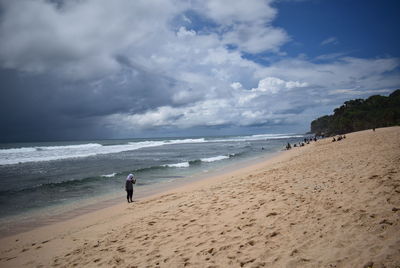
<point x="354" y="115"/>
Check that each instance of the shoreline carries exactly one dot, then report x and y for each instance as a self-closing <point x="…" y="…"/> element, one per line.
<point x="323" y="205"/>
<point x="37" y="219"/>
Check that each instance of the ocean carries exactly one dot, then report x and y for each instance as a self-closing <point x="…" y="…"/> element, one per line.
<point x="47" y="178"/>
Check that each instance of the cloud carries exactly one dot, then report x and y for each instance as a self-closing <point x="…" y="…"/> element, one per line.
<point x="274" y="101"/>
<point x="124" y="67"/>
<point x="359" y="92"/>
<point x="344" y="72"/>
<point x="82" y="39"/>
<point x="256" y="38"/>
<point x="214" y="112"/>
<point x="228" y="12"/>
<point x="330" y="40"/>
<point x="182" y="33"/>
<point x="331" y="56"/>
<point x="274" y="85"/>
<point x="245" y="24"/>
<point x="236" y="85"/>
<point x="79" y="39"/>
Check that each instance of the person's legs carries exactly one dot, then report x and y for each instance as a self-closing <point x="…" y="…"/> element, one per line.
<point x="127" y="195"/>
<point x="130" y="194"/>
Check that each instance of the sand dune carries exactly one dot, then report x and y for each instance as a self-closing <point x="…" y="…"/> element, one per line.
<point x="324" y="205"/>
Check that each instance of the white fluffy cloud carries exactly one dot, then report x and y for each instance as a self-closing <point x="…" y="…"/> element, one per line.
<point x="245" y="24"/>
<point x="344" y="72"/>
<point x="82" y="39"/>
<point x="79" y="39"/>
<point x="227" y="12"/>
<point x="274" y="85"/>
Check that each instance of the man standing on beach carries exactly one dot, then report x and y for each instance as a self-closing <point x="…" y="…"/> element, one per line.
<point x="130" y="181"/>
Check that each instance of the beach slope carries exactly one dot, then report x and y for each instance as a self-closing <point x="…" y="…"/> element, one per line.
<point x="328" y="204"/>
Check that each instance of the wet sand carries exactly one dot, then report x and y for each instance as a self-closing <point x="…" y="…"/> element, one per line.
<point x="323" y="205"/>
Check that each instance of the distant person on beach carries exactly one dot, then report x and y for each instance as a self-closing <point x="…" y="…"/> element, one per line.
<point x="288" y="147"/>
<point x="130" y="181"/>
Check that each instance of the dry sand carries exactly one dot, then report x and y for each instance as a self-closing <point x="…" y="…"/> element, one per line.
<point x="324" y="205"/>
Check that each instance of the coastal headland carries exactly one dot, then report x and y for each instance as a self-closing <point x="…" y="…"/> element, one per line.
<point x="328" y="204"/>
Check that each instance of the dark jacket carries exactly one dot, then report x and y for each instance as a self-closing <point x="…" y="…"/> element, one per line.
<point x="129" y="185"/>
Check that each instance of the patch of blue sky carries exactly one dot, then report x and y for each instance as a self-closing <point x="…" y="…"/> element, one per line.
<point x="192" y="20"/>
<point x="357" y="27"/>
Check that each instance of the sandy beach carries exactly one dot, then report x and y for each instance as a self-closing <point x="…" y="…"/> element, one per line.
<point x="328" y="204"/>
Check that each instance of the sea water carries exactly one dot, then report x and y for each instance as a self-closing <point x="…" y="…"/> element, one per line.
<point x="45" y="177"/>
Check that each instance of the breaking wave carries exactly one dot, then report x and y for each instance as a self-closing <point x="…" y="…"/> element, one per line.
<point x="49" y="153"/>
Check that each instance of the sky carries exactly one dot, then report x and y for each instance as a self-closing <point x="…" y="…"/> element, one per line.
<point x="100" y="69"/>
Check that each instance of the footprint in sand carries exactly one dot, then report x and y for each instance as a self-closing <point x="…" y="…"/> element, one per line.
<point x="97" y="260"/>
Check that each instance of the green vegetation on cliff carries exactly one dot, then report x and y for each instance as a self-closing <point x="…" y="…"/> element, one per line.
<point x="354" y="115"/>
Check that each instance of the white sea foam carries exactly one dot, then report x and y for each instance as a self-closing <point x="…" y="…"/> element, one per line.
<point x="179" y="165"/>
<point x="200" y="140"/>
<point x="49" y="153"/>
<point x="215" y="158"/>
<point x="109" y="175"/>
<point x="259" y="137"/>
<point x="274" y="136"/>
<point x="4" y="152"/>
<point x="187" y="164"/>
<point x="70" y="147"/>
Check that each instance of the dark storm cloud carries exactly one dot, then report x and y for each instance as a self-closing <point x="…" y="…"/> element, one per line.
<point x="41" y="107"/>
<point x="30" y="110"/>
